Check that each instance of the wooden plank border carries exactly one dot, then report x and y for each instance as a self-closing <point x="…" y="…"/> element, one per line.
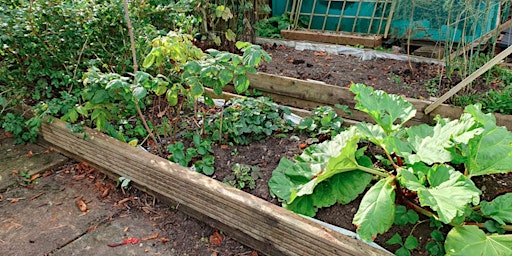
<point x="259" y="224"/>
<point x="332" y="38"/>
<point x="308" y="94"/>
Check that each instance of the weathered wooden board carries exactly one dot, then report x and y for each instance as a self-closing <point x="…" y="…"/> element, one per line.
<point x="251" y="220"/>
<point x="332" y="38"/>
<point x="307" y="94"/>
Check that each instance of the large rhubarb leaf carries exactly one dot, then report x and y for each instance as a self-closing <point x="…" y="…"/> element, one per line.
<point x="392" y="142"/>
<point x="492" y="151"/>
<point x="338" y="156"/>
<point x="322" y="175"/>
<point x="349" y="185"/>
<point x="431" y="144"/>
<point x="500" y="209"/>
<point x="385" y="109"/>
<point x="470" y="240"/>
<point x="377" y="210"/>
<point x="449" y="192"/>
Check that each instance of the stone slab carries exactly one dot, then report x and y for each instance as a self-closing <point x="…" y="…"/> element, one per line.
<point x="37" y="221"/>
<point x="123" y="227"/>
<point x="17" y="157"/>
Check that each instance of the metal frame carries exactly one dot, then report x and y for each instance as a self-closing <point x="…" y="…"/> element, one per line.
<point x="383" y="20"/>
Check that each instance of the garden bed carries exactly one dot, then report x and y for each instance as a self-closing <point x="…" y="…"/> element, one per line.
<point x="414" y="77"/>
<point x="253" y="221"/>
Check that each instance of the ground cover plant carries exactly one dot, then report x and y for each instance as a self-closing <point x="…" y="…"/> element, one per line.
<point x="428" y="170"/>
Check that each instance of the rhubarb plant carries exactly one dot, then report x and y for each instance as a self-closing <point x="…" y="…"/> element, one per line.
<point x="430" y="171"/>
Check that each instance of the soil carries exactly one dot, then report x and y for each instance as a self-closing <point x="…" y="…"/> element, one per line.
<point x="411" y="79"/>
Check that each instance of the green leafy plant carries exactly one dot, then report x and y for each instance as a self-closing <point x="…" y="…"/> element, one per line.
<point x="406" y="247"/>
<point x="324" y="121"/>
<point x="271" y="27"/>
<point x="243" y="176"/>
<point x="199" y="155"/>
<point x="123" y="182"/>
<point x="435" y="247"/>
<point x="247" y="119"/>
<point x="434" y="163"/>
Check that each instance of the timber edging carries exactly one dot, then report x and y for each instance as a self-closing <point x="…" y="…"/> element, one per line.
<point x="310" y="94"/>
<point x="255" y="222"/>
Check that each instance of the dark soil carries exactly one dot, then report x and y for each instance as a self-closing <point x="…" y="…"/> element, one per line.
<point x="411" y="79"/>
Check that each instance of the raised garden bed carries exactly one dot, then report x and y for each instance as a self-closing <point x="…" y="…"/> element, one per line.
<point x="259" y="224"/>
<point x="310" y="94"/>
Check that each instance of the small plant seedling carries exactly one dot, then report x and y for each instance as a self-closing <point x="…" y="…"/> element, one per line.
<point x="123" y="182"/>
<point x="243" y="176"/>
<point x="435" y="247"/>
<point x="410" y="244"/>
<point x="324" y="122"/>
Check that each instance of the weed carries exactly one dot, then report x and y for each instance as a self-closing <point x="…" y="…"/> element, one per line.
<point x="243" y="176"/>
<point x="324" y="122"/>
<point x="432" y="87"/>
<point x="199" y="155"/>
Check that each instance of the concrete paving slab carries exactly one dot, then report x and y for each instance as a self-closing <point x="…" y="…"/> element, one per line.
<point x="114" y="231"/>
<point x="37" y="221"/>
<point x="17" y="157"/>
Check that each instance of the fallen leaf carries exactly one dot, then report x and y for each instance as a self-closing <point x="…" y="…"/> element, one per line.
<point x="78" y="177"/>
<point x="125" y="229"/>
<point x="105" y="192"/>
<point x="81" y="205"/>
<point x="161" y="113"/>
<point x="322" y="53"/>
<point x="151" y="237"/>
<point x="35" y="176"/>
<point x="8" y="134"/>
<point x="224" y="146"/>
<point x="92" y="228"/>
<point x="303" y="145"/>
<point x="216" y="239"/>
<point x="47" y="173"/>
<point x="15" y="200"/>
<point x="48" y="151"/>
<point x="15" y="172"/>
<point x="254" y="253"/>
<point x="1" y="197"/>
<point x="164" y="240"/>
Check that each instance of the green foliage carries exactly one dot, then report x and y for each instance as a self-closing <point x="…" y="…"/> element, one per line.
<point x="406" y="247"/>
<point x="199" y="155"/>
<point x="404" y="216"/>
<point x="243" y="176"/>
<point x="324" y="122"/>
<point x="271" y="27"/>
<point x="436" y="162"/>
<point x="23" y="130"/>
<point x="247" y="119"/>
<point x="191" y="70"/>
<point x="435" y="246"/>
<point x="470" y="240"/>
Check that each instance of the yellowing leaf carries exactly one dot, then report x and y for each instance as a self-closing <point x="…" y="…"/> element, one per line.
<point x="133" y="142"/>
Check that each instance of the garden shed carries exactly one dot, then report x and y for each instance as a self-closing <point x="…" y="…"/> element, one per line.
<point x="435" y="21"/>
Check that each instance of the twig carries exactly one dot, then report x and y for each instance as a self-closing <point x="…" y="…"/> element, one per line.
<point x="77" y="63"/>
<point x="135" y="68"/>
